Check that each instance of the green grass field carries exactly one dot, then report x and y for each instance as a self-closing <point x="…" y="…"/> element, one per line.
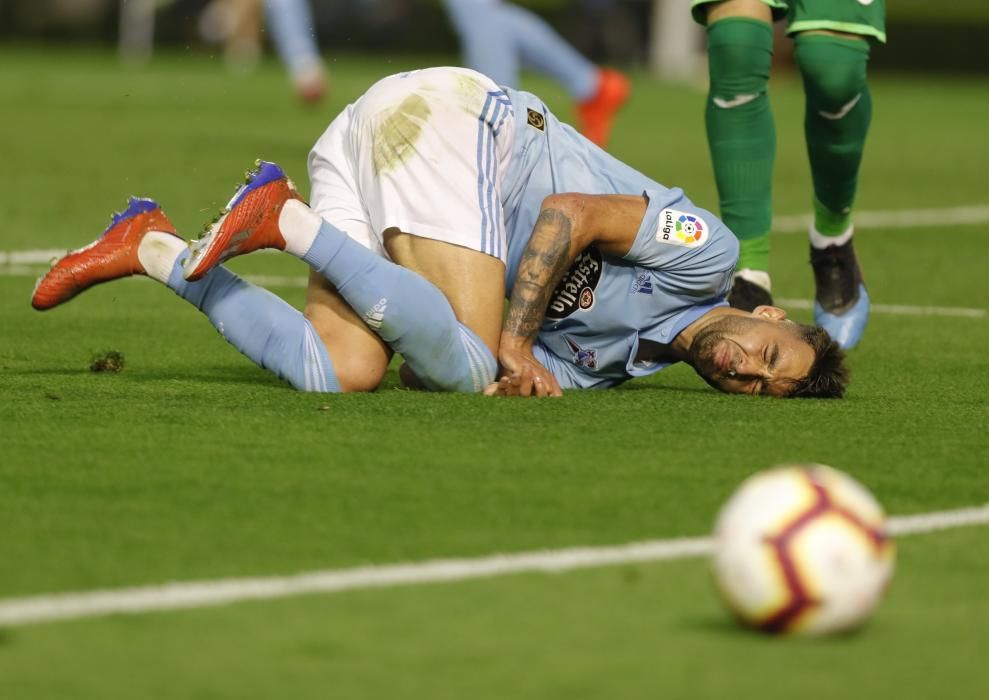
<point x="193" y="464"/>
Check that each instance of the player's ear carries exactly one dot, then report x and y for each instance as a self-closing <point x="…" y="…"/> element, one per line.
<point x="770" y="313"/>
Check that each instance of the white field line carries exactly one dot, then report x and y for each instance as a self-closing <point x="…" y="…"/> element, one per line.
<point x="798" y="223"/>
<point x="15" y="263"/>
<point x="198" y="594"/>
<point x="300" y="282"/>
<point x="896" y="218"/>
<point x="25" y="269"/>
<point x="898" y="309"/>
<point x="44" y="256"/>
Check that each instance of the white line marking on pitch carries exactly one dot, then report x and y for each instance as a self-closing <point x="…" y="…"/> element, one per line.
<point x="898" y="309"/>
<point x="896" y="218"/>
<point x="198" y="594"/>
<point x="796" y="223"/>
<point x="45" y="256"/>
<point x="287" y="282"/>
<point x="15" y="263"/>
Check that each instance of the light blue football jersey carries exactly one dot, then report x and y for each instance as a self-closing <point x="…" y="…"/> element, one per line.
<point x="678" y="269"/>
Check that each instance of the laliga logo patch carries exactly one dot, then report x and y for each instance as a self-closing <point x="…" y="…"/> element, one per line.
<point x="681" y="228"/>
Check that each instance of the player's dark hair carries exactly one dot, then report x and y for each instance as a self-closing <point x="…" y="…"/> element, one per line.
<point x="828" y="376"/>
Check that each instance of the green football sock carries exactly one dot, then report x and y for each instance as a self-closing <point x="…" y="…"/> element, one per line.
<point x="831" y="223"/>
<point x="839" y="109"/>
<point x="741" y="132"/>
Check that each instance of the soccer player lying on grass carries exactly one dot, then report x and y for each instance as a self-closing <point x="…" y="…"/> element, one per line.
<point x="446" y="174"/>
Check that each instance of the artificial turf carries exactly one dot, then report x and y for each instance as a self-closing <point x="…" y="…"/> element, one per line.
<point x="191" y="463"/>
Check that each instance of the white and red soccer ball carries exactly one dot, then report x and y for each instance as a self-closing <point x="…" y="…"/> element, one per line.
<point x="802" y="549"/>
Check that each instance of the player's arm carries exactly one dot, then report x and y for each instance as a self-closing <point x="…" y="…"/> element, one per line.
<point x="567" y="224"/>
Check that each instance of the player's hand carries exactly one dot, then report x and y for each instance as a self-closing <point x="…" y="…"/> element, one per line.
<point x="521" y="384"/>
<point x="517" y="384"/>
<point x="527" y="374"/>
<point x="503" y="387"/>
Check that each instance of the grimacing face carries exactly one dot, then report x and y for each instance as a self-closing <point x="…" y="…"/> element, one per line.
<point x="761" y="353"/>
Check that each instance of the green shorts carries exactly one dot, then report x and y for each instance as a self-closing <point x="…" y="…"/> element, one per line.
<point x="864" y="17"/>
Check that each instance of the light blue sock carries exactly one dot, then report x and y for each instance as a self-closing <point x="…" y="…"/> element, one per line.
<point x="406" y="311"/>
<point x="293" y="33"/>
<point x="547" y="52"/>
<point x="496" y="37"/>
<point x="268" y="330"/>
<point x="482" y="39"/>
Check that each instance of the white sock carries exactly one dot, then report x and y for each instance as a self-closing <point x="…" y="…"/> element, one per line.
<point x="158" y="252"/>
<point x="758" y="277"/>
<point x="298" y="225"/>
<point x="819" y="240"/>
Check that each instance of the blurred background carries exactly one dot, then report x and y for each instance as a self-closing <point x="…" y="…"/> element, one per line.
<point x="933" y="37"/>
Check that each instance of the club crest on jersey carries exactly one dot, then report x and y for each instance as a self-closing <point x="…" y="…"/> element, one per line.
<point x="576" y="290"/>
<point x="535" y="119"/>
<point x="681" y="228"/>
<point x="582" y="357"/>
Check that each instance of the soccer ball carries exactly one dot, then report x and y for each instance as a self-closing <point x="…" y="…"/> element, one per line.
<point x="802" y="549"/>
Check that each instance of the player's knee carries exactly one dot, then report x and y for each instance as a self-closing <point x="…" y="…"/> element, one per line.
<point x="357" y="374"/>
<point x="832" y="86"/>
<point x="358" y="358"/>
<point x="359" y="365"/>
<point x="740" y="53"/>
<point x="739" y="70"/>
<point x="833" y="69"/>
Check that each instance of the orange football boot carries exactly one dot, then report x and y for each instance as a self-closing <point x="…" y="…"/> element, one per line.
<point x="596" y="114"/>
<point x="112" y="255"/>
<point x="248" y="223"/>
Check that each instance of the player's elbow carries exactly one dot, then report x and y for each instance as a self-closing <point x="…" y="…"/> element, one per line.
<point x="568" y="211"/>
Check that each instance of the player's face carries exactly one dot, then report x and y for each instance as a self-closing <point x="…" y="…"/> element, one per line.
<point x="761" y="353"/>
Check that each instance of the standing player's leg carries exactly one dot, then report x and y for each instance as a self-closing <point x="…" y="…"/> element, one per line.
<point x="598" y="92"/>
<point x="498" y="36"/>
<point x="142" y="241"/>
<point x="741" y="133"/>
<point x="485" y="42"/>
<point x="294" y="37"/>
<point x="838" y="113"/>
<point x="832" y="50"/>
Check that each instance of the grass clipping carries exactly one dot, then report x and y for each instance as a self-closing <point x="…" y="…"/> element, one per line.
<point x="107" y="361"/>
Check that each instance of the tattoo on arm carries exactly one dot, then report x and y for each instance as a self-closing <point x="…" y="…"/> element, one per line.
<point x="545" y="258"/>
